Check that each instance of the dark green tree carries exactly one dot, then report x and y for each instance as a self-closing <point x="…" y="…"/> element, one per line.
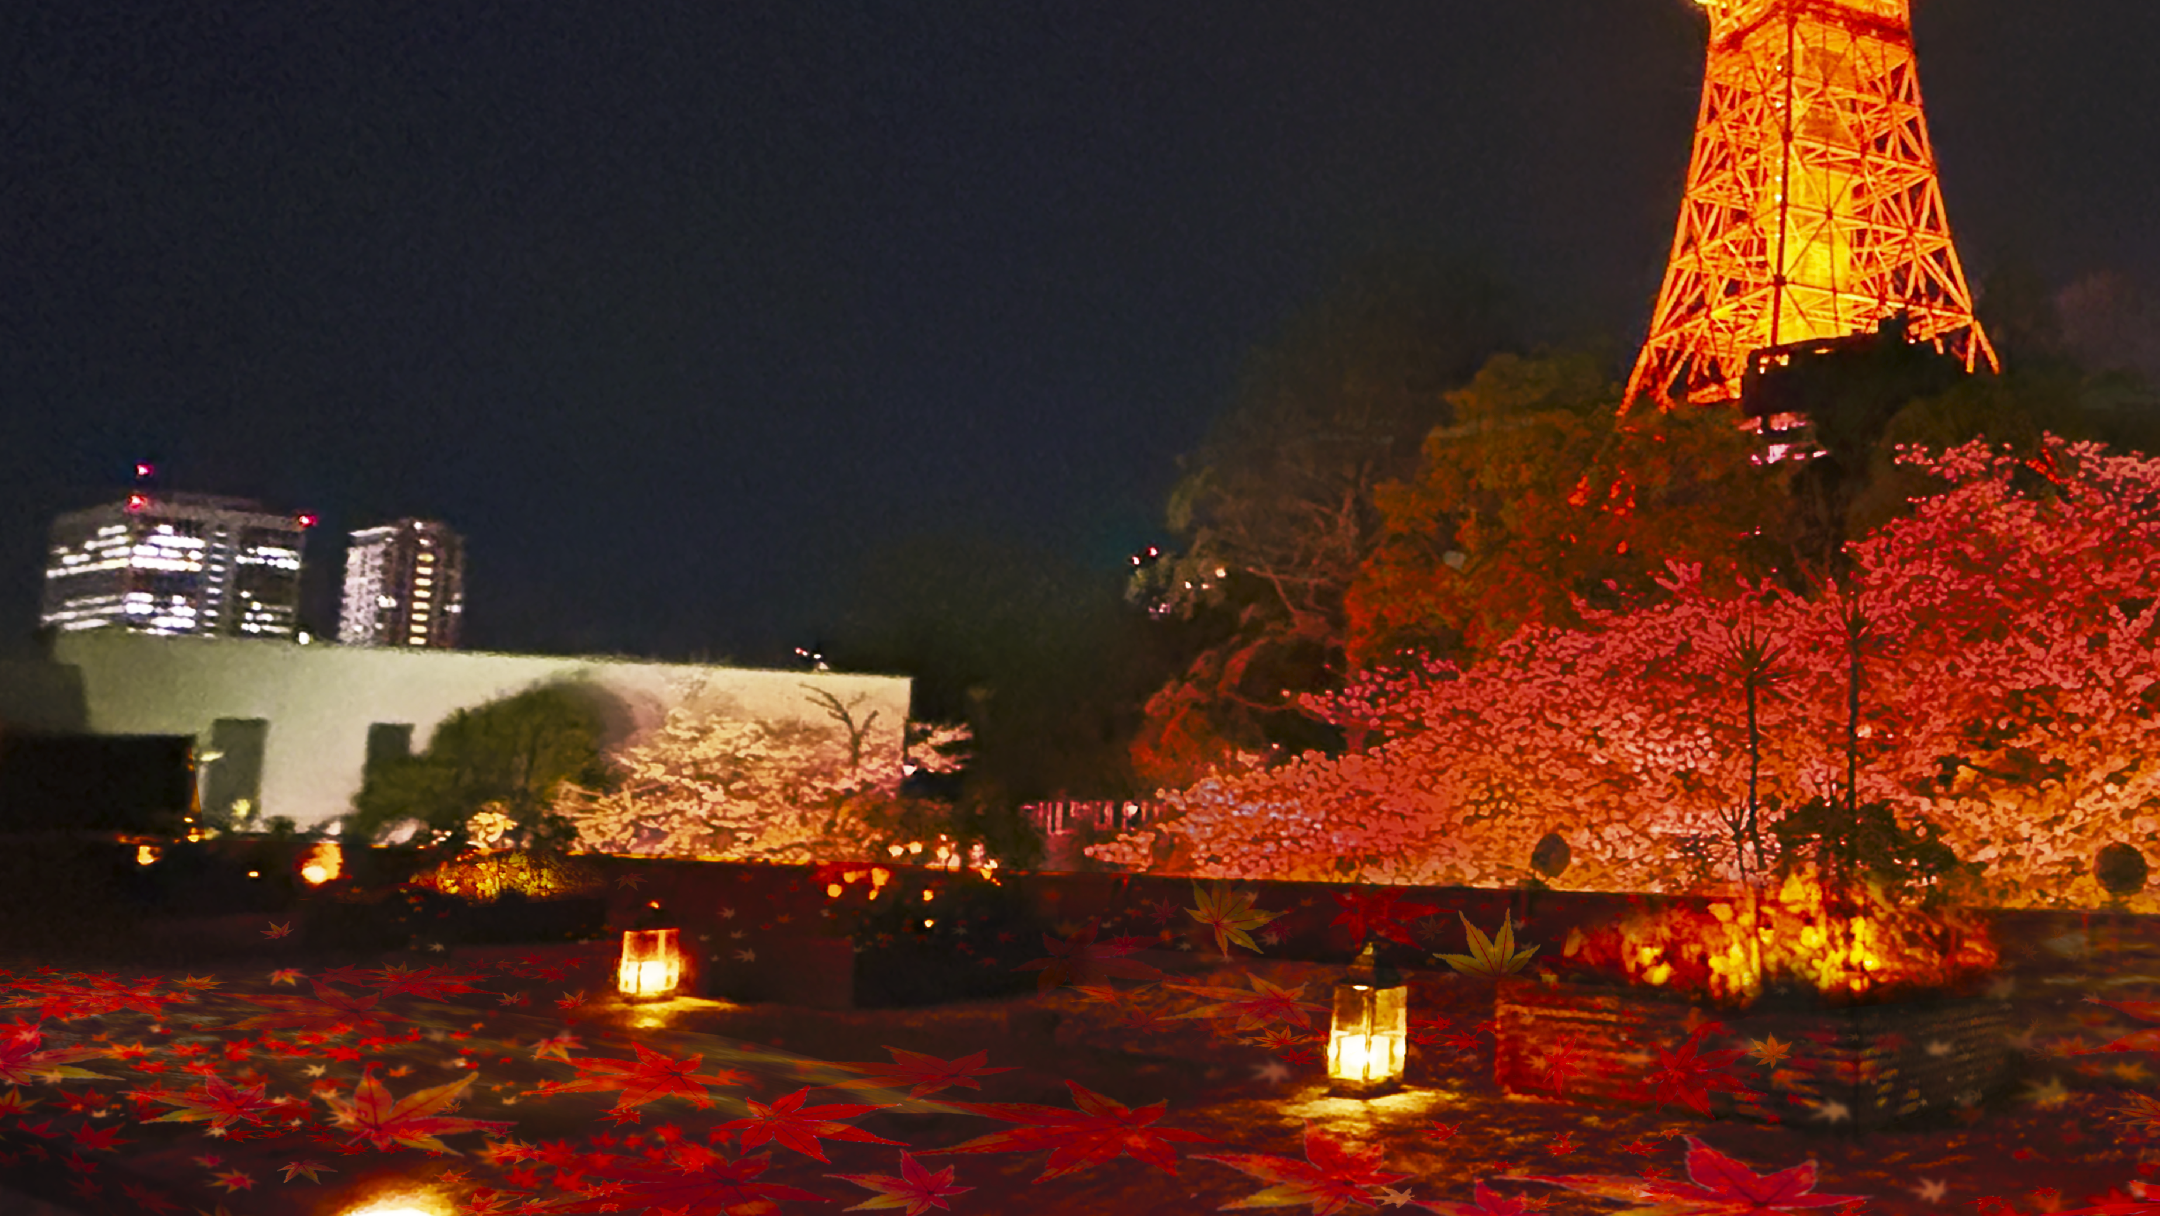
<point x="1275" y="513"/>
<point x="1039" y="656"/>
<point x="1542" y="496"/>
<point x="508" y="755"/>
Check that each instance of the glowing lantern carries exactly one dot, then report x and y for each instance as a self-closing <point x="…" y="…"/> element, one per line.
<point x="323" y="862"/>
<point x="401" y="1199"/>
<point x="651" y="964"/>
<point x="147" y="854"/>
<point x="395" y="1207"/>
<point x="1370" y="1033"/>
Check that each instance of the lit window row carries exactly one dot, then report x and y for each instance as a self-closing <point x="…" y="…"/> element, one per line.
<point x="111" y="564"/>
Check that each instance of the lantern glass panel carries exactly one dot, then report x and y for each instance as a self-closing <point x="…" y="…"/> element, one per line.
<point x="651" y="964"/>
<point x="1369" y="1036"/>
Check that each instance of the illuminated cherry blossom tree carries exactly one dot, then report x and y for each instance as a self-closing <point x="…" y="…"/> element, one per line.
<point x="1990" y="666"/>
<point x="713" y="785"/>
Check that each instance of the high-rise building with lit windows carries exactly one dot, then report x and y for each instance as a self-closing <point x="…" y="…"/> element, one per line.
<point x="404" y="586"/>
<point x="176" y="564"/>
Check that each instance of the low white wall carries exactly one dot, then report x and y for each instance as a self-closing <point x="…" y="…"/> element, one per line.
<point x="319" y="700"/>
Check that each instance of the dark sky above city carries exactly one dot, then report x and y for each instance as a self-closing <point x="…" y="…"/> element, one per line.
<point x="682" y="311"/>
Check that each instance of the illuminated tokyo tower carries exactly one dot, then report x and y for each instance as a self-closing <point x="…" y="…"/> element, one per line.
<point x="1812" y="209"/>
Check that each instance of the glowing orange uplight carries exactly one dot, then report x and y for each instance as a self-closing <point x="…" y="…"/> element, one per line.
<point x="1858" y="948"/>
<point x="324" y="861"/>
<point x="407" y="1201"/>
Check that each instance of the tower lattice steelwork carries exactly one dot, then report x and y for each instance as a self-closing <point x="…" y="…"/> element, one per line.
<point x="1812" y="208"/>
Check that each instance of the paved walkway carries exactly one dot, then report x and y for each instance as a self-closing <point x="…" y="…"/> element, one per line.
<point x="275" y="1088"/>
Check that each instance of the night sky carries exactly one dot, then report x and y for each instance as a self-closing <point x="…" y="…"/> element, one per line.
<point x="681" y="312"/>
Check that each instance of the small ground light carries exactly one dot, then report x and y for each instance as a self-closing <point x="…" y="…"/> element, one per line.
<point x="832" y="890"/>
<point x="147" y="854"/>
<point x="401" y="1203"/>
<point x="254" y="873"/>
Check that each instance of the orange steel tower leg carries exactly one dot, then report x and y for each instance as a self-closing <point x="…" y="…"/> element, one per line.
<point x="1812" y="208"/>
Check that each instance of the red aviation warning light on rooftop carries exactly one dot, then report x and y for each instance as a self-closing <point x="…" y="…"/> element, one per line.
<point x="1812" y="208"/>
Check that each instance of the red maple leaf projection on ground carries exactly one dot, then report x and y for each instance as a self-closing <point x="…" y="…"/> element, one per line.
<point x="93" y="996"/>
<point x="1228" y="914"/>
<point x="790" y="1124"/>
<point x="652" y="1075"/>
<point x="2145" y="1038"/>
<point x="428" y="983"/>
<point x="414" y="1121"/>
<point x="24" y="1058"/>
<point x="1264" y="1005"/>
<point x="928" y="1074"/>
<point x="328" y="1010"/>
<point x="688" y="1180"/>
<point x="916" y="1189"/>
<point x="216" y="1101"/>
<point x="1333" y="1176"/>
<point x="1289" y="1044"/>
<point x="1562" y="1061"/>
<point x="1077" y="959"/>
<point x="1687" y="1074"/>
<point x="1717" y="1185"/>
<point x="1377" y="912"/>
<point x="1100" y="1130"/>
<point x="1484" y="1202"/>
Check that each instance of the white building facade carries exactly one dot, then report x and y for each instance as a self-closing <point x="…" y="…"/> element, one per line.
<point x="290" y="726"/>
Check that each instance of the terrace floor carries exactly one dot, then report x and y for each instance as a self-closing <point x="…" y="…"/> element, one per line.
<point x="130" y="1088"/>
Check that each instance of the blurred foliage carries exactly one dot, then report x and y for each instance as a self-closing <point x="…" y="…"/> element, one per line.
<point x="508" y="755"/>
<point x="1276" y="513"/>
<point x="1041" y="659"/>
<point x="484" y="877"/>
<point x="1541" y="498"/>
